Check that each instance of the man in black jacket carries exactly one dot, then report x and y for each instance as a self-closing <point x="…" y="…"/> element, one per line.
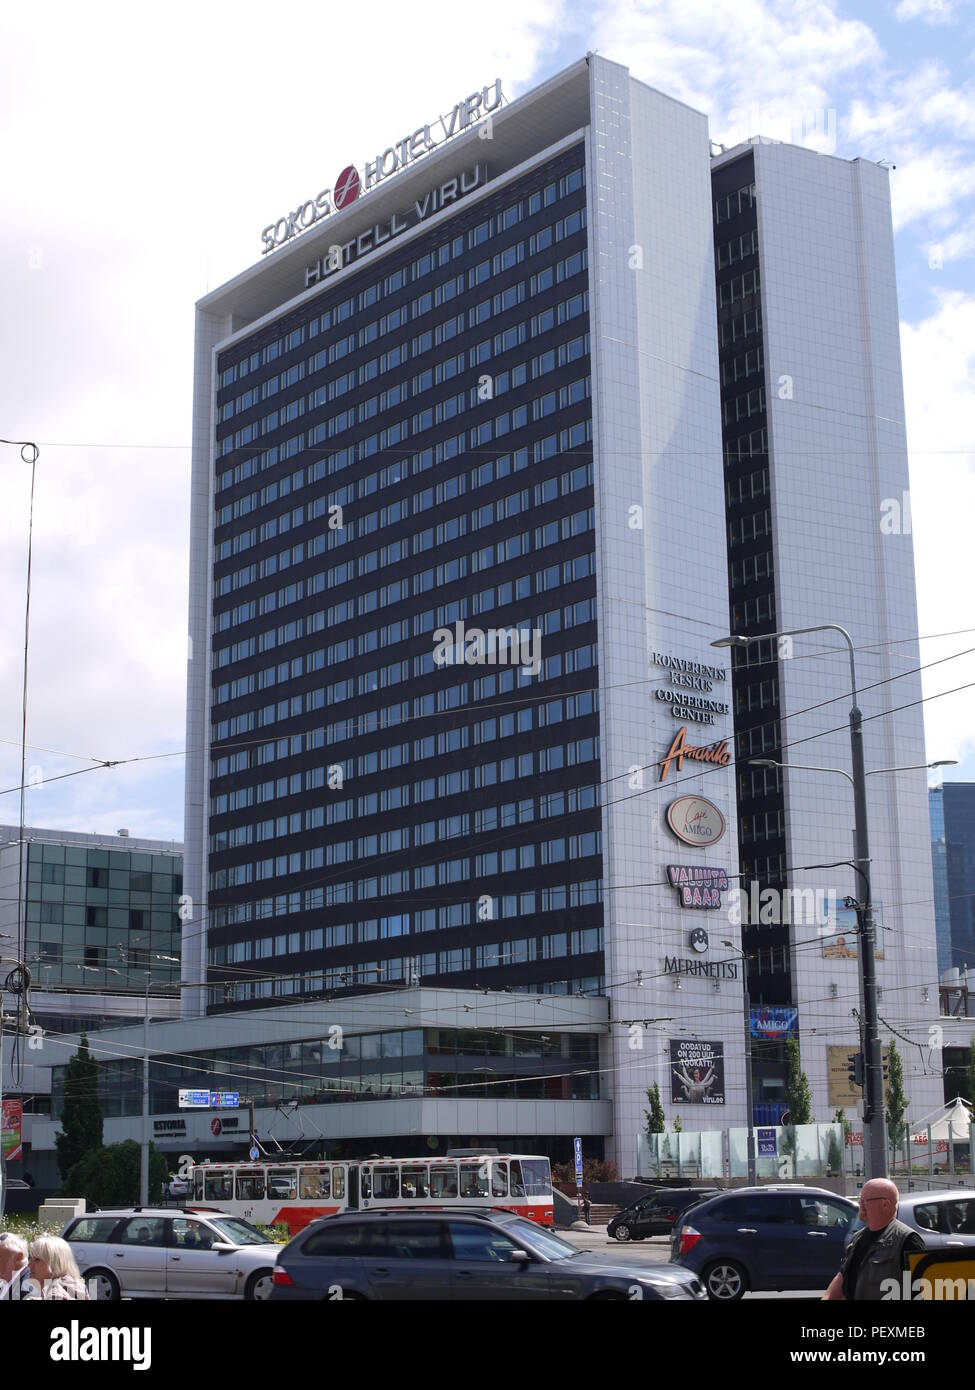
<point x="878" y="1252"/>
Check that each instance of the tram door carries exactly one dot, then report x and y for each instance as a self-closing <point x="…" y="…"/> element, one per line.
<point x="353" y="1187"/>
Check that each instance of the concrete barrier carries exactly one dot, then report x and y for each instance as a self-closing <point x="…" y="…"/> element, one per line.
<point x="56" y="1213"/>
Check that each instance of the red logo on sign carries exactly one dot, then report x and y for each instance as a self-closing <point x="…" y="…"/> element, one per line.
<point x="216" y="1125"/>
<point x="346" y="187"/>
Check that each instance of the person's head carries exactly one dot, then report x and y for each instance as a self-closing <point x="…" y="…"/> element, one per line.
<point x="878" y="1203"/>
<point x="51" y="1258"/>
<point x="13" y="1254"/>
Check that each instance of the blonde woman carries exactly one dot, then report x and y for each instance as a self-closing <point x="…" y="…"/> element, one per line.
<point x="53" y="1271"/>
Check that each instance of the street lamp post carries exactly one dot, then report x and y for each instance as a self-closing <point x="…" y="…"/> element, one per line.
<point x="749" y="1098"/>
<point x="875" y="1145"/>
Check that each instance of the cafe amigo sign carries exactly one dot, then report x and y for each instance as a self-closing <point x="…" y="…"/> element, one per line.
<point x="399" y="155"/>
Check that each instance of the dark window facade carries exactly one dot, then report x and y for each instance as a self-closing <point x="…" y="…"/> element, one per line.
<point x="407" y="455"/>
<point x="751" y="583"/>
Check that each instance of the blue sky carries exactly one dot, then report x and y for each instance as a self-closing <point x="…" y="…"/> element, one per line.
<point x="140" y="164"/>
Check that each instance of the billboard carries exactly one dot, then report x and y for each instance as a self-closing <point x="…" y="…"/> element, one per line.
<point x="773" y="1023"/>
<point x="11" y="1117"/>
<point x="696" y="1072"/>
<point x="842" y="1093"/>
<point x="841" y="937"/>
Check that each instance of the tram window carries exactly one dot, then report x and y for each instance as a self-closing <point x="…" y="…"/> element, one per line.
<point x="282" y="1182"/>
<point x="365" y="1182"/>
<point x="416" y="1182"/>
<point x="315" y="1182"/>
<point x="219" y="1186"/>
<point x="338" y="1182"/>
<point x="532" y="1176"/>
<point x="499" y="1179"/>
<point x="443" y="1180"/>
<point x="250" y="1186"/>
<point x="385" y="1183"/>
<point x="473" y="1180"/>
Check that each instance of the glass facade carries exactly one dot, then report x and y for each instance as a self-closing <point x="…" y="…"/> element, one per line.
<point x="100" y="918"/>
<point x="952" y="809"/>
<point x="403" y="505"/>
<point x="409" y="1063"/>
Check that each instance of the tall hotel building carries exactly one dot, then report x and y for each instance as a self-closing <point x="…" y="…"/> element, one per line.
<point x="495" y="392"/>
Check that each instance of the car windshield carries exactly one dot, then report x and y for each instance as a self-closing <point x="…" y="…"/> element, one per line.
<point x="542" y="1241"/>
<point x="240" y="1232"/>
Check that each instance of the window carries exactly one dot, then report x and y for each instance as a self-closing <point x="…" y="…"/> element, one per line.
<point x="282" y="1182"/>
<point x="406" y="1240"/>
<point x="473" y="1180"/>
<point x="250" y="1186"/>
<point x="92" y="1228"/>
<point x="315" y="1183"/>
<point x="192" y="1235"/>
<point x="480" y="1243"/>
<point x="218" y="1185"/>
<point x="385" y="1182"/>
<point x="416" y="1182"/>
<point x="335" y="1241"/>
<point x="144" y="1230"/>
<point x="443" y="1180"/>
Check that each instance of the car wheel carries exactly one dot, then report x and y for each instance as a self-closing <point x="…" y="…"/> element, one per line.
<point x="725" y="1281"/>
<point x="623" y="1233"/>
<point x="259" y="1285"/>
<point x="102" y="1285"/>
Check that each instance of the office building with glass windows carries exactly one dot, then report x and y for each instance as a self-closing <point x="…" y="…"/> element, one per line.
<point x="468" y="494"/>
<point x="953" y="853"/>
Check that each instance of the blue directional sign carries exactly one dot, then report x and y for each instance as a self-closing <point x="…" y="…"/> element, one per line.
<point x="766" y="1142"/>
<point x="209" y="1100"/>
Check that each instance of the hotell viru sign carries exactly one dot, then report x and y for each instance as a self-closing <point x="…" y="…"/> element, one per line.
<point x="463" y="115"/>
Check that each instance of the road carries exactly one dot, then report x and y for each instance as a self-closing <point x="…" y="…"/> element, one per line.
<point x="653" y="1250"/>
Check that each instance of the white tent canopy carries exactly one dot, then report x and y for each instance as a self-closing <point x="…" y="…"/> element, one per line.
<point x="954" y="1120"/>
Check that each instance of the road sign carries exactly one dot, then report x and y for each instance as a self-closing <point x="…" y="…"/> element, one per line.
<point x="766" y="1142"/>
<point x="253" y="1153"/>
<point x="194" y="1100"/>
<point x="209" y="1100"/>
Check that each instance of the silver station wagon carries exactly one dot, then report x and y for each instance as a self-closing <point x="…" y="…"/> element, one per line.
<point x="158" y="1253"/>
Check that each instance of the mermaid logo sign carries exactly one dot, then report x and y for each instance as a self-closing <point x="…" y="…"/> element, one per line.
<point x="695" y="820"/>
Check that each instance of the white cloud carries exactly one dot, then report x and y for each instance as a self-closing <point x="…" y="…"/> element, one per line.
<point x="930" y="11"/>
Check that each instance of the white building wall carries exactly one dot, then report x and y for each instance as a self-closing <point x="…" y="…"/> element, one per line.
<point x="838" y="453"/>
<point x="662" y="587"/>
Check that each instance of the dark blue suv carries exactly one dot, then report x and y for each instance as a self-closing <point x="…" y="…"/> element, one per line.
<point x="762" y="1238"/>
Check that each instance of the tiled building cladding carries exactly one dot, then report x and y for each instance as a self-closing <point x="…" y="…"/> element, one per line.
<point x="440" y="399"/>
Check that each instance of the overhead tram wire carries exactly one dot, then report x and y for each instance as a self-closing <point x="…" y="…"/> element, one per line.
<point x="544" y="699"/>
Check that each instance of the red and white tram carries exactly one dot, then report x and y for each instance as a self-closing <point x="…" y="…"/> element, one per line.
<point x="293" y="1193"/>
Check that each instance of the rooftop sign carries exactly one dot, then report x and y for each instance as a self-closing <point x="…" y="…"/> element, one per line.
<point x="391" y="160"/>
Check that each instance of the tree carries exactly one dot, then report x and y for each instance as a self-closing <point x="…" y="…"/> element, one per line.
<point x="678" y="1124"/>
<point x="109" y="1177"/>
<point x="656" y="1120"/>
<point x="81" y="1112"/>
<point x="797" y="1086"/>
<point x="897" y="1101"/>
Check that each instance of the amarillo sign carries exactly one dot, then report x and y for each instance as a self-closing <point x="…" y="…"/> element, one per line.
<point x="695" y="820"/>
<point x="680" y="749"/>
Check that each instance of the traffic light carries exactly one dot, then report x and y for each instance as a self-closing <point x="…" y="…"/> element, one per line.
<point x="854" y="1069"/>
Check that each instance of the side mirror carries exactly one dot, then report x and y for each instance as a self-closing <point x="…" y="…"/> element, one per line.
<point x="519" y="1257"/>
<point x="223" y="1247"/>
